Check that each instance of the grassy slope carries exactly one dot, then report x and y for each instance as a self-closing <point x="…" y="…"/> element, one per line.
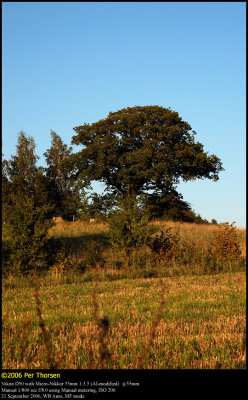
<point x="202" y="323"/>
<point x="194" y="250"/>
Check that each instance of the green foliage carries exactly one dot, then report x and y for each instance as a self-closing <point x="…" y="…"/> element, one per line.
<point x="21" y="168"/>
<point x="27" y="224"/>
<point x="27" y="209"/>
<point x="64" y="193"/>
<point x="6" y="191"/>
<point x="170" y="206"/>
<point x="95" y="206"/>
<point x="141" y="150"/>
<point x="129" y="228"/>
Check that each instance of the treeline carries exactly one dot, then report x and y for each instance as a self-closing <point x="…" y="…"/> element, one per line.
<point x="139" y="152"/>
<point x="53" y="188"/>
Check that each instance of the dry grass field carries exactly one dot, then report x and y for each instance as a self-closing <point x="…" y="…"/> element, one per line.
<point x="199" y="322"/>
<point x="185" y="313"/>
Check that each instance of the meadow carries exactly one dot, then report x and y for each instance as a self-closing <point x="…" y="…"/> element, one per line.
<point x="90" y="310"/>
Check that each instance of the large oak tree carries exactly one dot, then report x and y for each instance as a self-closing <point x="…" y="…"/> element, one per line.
<point x="141" y="150"/>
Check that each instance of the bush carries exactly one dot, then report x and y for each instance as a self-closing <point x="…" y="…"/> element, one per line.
<point x="61" y="263"/>
<point x="165" y="245"/>
<point x="93" y="254"/>
<point x="226" y="243"/>
<point x="129" y="228"/>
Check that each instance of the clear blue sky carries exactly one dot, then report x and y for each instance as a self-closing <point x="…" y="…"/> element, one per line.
<point x="68" y="63"/>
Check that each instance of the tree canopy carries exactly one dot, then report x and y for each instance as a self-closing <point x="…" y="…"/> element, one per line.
<point x="140" y="150"/>
<point x="63" y="191"/>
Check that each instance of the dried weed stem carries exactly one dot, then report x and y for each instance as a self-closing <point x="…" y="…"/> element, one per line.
<point x="102" y="323"/>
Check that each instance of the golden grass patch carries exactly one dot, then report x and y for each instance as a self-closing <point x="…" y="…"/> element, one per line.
<point x="200" y="322"/>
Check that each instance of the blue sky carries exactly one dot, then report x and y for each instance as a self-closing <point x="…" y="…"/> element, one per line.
<point x="66" y="63"/>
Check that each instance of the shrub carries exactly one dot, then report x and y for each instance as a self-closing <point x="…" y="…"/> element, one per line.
<point x="129" y="229"/>
<point x="62" y="262"/>
<point x="226" y="243"/>
<point x="93" y="254"/>
<point x="165" y="245"/>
